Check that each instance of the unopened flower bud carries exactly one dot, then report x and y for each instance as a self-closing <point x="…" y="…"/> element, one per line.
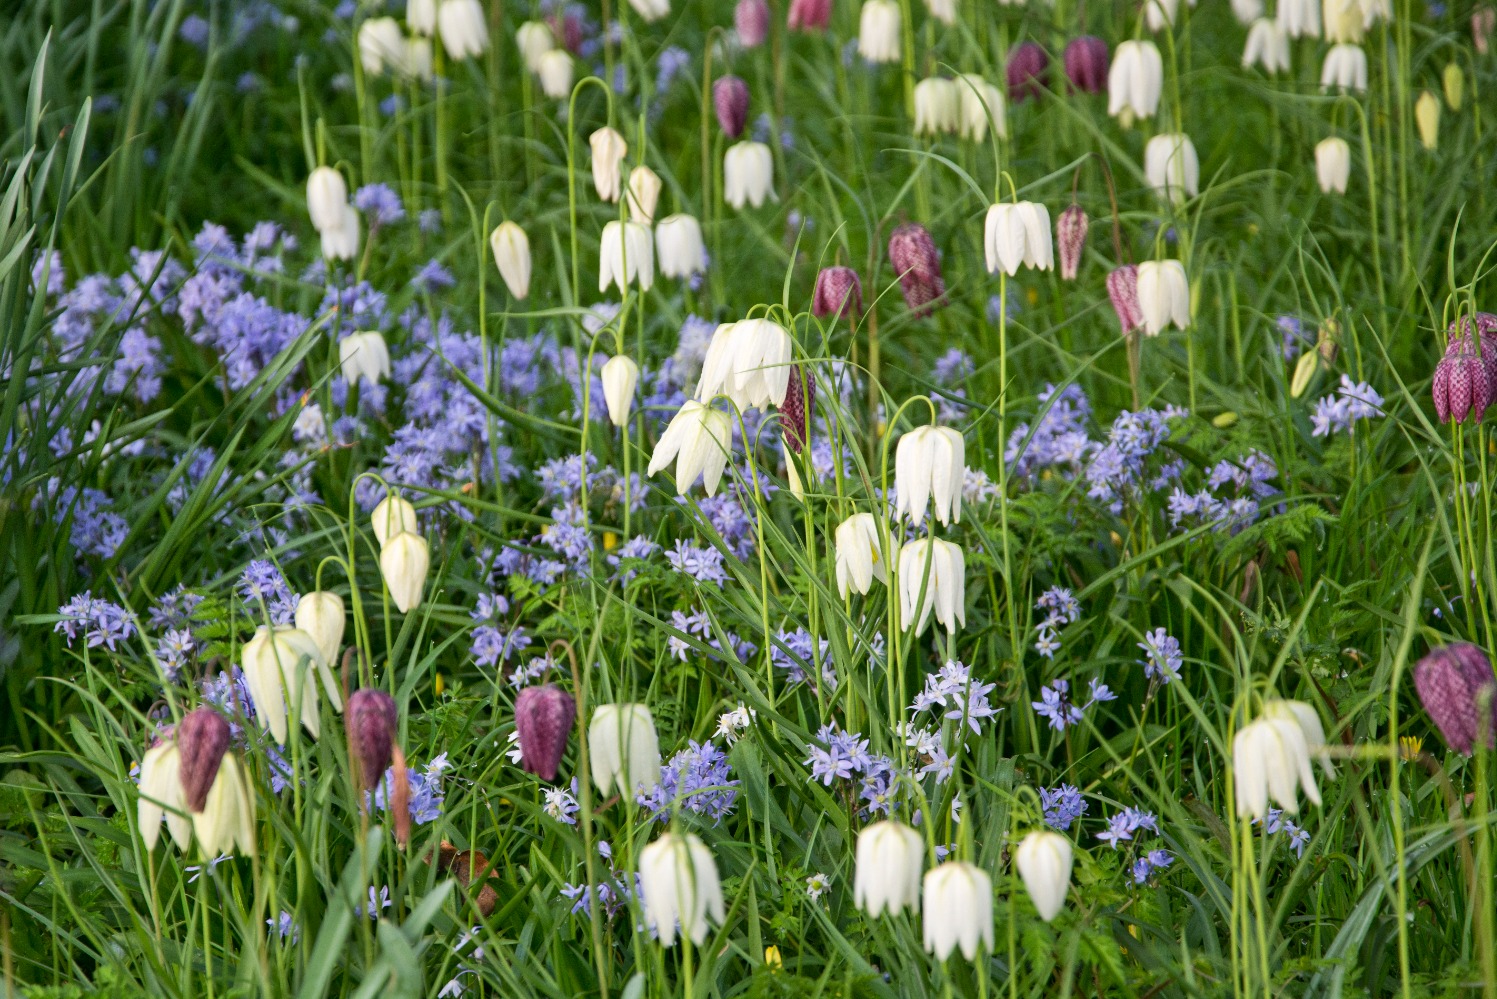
<point x="404" y="562"/>
<point x="372" y="721"/>
<point x="730" y="98"/>
<point x="837" y="289"/>
<point x="1453" y="80"/>
<point x="1452" y="683"/>
<point x="512" y="256"/>
<point x="619" y="376"/>
<point x="543" y="719"/>
<point x="202" y="739"/>
<point x="1028" y="72"/>
<point x="796" y="409"/>
<point x="1122" y="289"/>
<point x="913" y="255"/>
<point x="1070" y="239"/>
<point x="392" y="516"/>
<point x="1086" y="60"/>
<point x="1427" y="119"/>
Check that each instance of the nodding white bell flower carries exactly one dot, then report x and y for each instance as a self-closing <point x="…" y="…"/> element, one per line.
<point x="403" y="562"/>
<point x="1271" y="759"/>
<point x="421" y="16"/>
<point x="1309" y="724"/>
<point x="512" y="256"/>
<point x="462" y="28"/>
<point x="609" y="150"/>
<point x="1134" y="81"/>
<point x="626" y="255"/>
<point x="678" y="883"/>
<point x="644" y="194"/>
<point x="1163" y="295"/>
<point x="1267" y="46"/>
<point x="945" y="586"/>
<point x="1172" y="168"/>
<point x="1044" y="862"/>
<point x="748" y="174"/>
<point x="679" y="249"/>
<point x="1298" y="18"/>
<point x="320" y="614"/>
<point x="364" y="355"/>
<point x="534" y="39"/>
<point x="957" y="909"/>
<point x="1343" y="21"/>
<point x="327" y="198"/>
<point x="860" y="555"/>
<point x="697" y="439"/>
<point x="937" y="106"/>
<point x="1018" y="235"/>
<point x="749" y="362"/>
<point x="623" y="749"/>
<point x="1247" y="11"/>
<point x="161" y="796"/>
<point x="381" y="45"/>
<point x="651" y="10"/>
<point x="942" y="10"/>
<point x="273" y="664"/>
<point x="1161" y="14"/>
<point x="1427" y="118"/>
<point x="393" y="516"/>
<point x="887" y="876"/>
<point x="620" y="376"/>
<point x="980" y="103"/>
<point x="341" y="242"/>
<point x="1345" y="68"/>
<point x="1332" y="164"/>
<point x="555" y="71"/>
<point x="227" y="822"/>
<point x="930" y="463"/>
<point x="418" y="61"/>
<point x="878" y="31"/>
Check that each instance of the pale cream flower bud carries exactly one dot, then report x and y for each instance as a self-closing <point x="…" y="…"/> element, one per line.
<point x="364" y="356"/>
<point x="320" y="614"/>
<point x="620" y="376"/>
<point x="393" y="516"/>
<point x="404" y="562"/>
<point x="512" y="256"/>
<point x="1427" y="118"/>
<point x="644" y="194"/>
<point x="463" y="28"/>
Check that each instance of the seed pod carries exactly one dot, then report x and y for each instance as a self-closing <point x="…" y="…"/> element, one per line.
<point x="795" y="411"/>
<point x="913" y="254"/>
<point x="730" y="98"/>
<point x="202" y="739"/>
<point x="543" y="718"/>
<point x="371" y="719"/>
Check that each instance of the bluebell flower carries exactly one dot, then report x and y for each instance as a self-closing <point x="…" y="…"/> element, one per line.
<point x="1062" y="806"/>
<point x="99" y="621"/>
<point x="1162" y="656"/>
<point x="698" y="779"/>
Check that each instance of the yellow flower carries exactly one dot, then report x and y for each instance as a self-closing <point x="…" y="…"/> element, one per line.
<point x="440" y="685"/>
<point x="610" y="541"/>
<point x="772" y="957"/>
<point x="1410" y="746"/>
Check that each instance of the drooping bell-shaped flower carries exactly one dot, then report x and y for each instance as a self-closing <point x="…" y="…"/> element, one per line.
<point x="320" y="614"/>
<point x="860" y="558"/>
<point x="886" y="878"/>
<point x="980" y="106"/>
<point x="748" y="174"/>
<point x="463" y="29"/>
<point x="1134" y="81"/>
<point x="1271" y="760"/>
<point x="392" y="516"/>
<point x="1044" y="862"/>
<point x="1465" y="381"/>
<point x="937" y="106"/>
<point x="1018" y="235"/>
<point x="679" y="249"/>
<point x="626" y="254"/>
<point x="809" y="15"/>
<point x="623" y="748"/>
<point x="535" y="39"/>
<point x="1172" y="168"/>
<point x="1345" y="68"/>
<point x="945" y="584"/>
<point x="751" y="22"/>
<point x="381" y="45"/>
<point x="543" y="718"/>
<point x="1298" y="18"/>
<point x="162" y="796"/>
<point x="697" y="439"/>
<point x="1427" y="119"/>
<point x="281" y="666"/>
<point x="878" y="31"/>
<point x="1086" y="60"/>
<point x="643" y="194"/>
<point x="730" y="100"/>
<point x="364" y="356"/>
<point x="1333" y="164"/>
<point x="1027" y="72"/>
<point x="651" y="10"/>
<point x="1163" y="295"/>
<point x="1267" y="46"/>
<point x="421" y="16"/>
<point x="797" y="408"/>
<point x="556" y="72"/>
<point x="680" y="888"/>
<point x="327" y="197"/>
<point x="913" y="255"/>
<point x="838" y="289"/>
<point x="957" y="910"/>
<point x="404" y="562"/>
<point x="930" y="463"/>
<point x="749" y="362"/>
<point x="1452" y="683"/>
<point x="1160" y="14"/>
